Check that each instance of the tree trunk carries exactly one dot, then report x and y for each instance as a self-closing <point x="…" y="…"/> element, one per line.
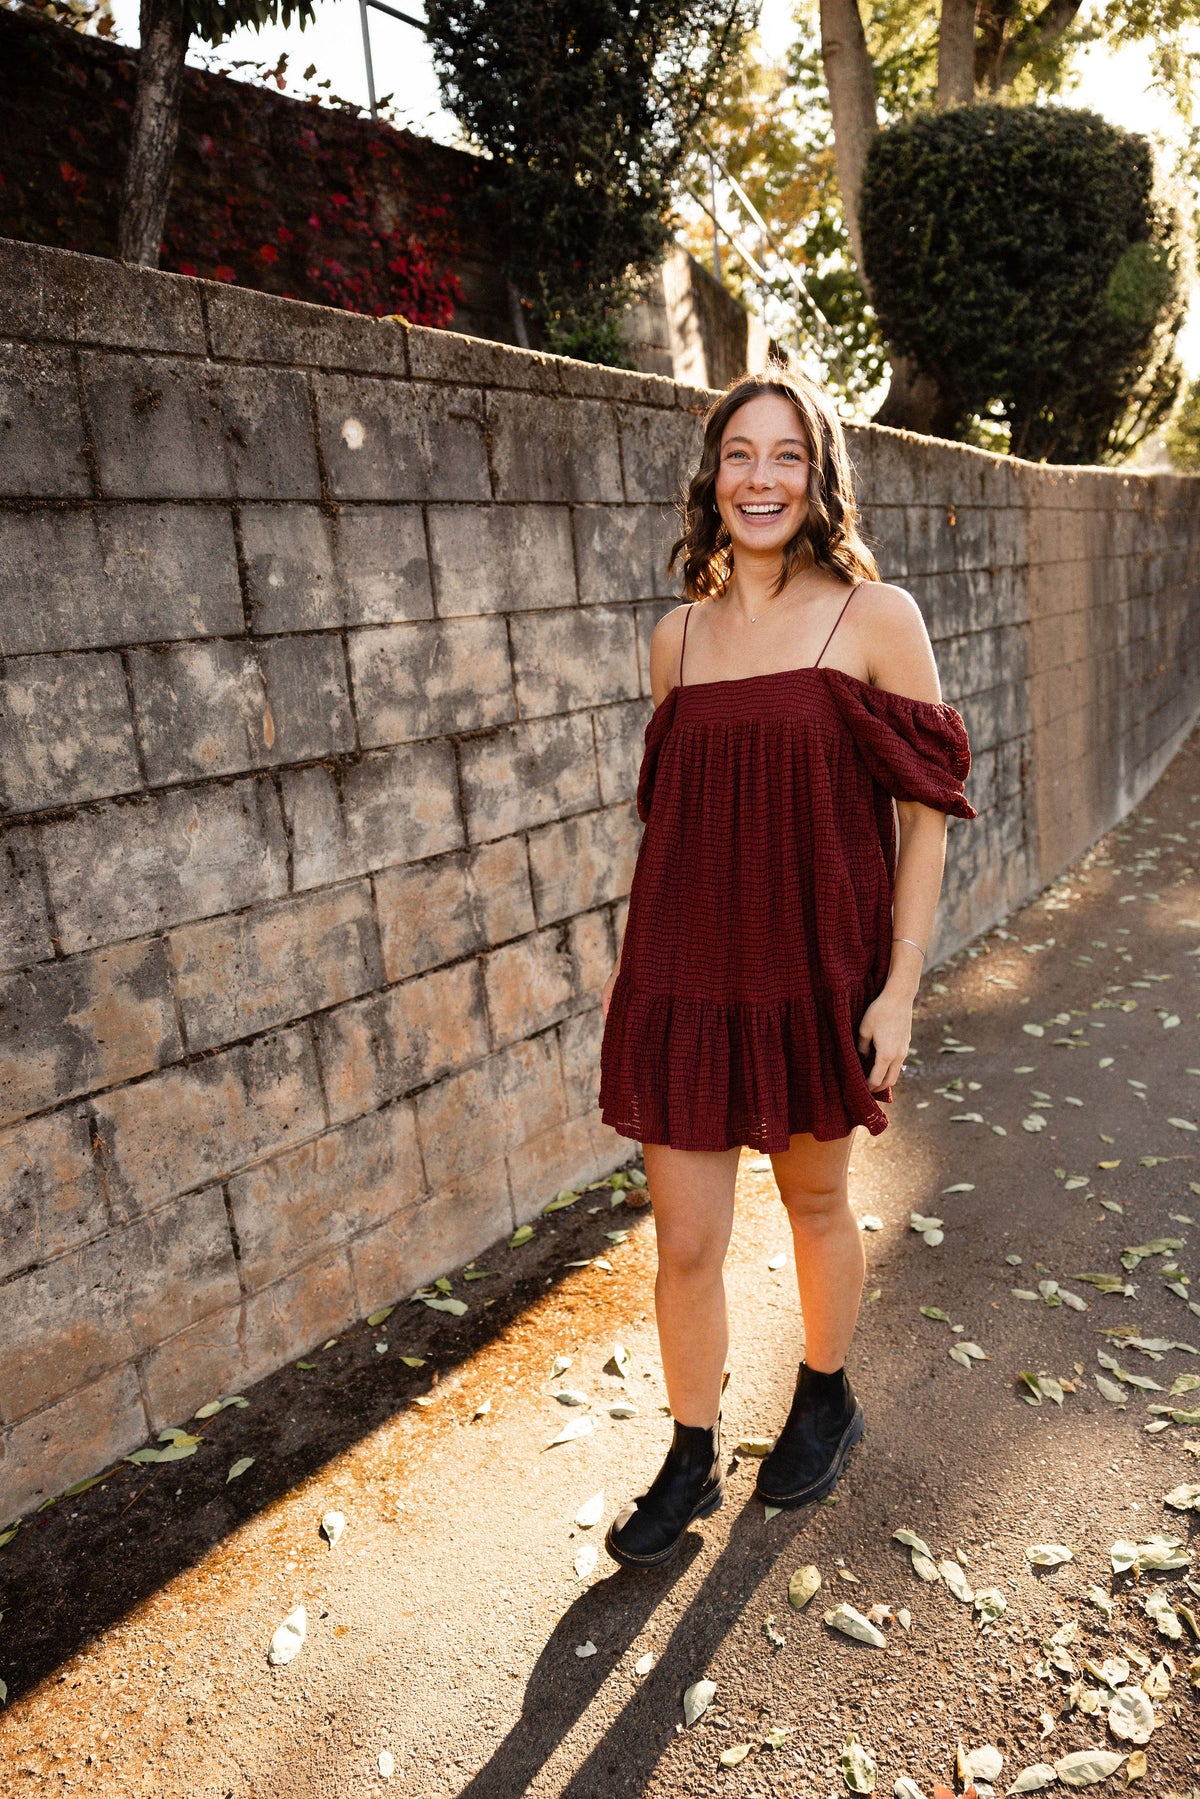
<point x="956" y="54"/>
<point x="915" y="402"/>
<point x="850" y="79"/>
<point x="154" y="130"/>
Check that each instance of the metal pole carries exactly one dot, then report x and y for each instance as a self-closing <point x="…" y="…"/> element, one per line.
<point x="712" y="176"/>
<point x="362" y="8"/>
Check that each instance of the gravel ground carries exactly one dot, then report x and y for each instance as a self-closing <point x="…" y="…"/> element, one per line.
<point x="444" y="1628"/>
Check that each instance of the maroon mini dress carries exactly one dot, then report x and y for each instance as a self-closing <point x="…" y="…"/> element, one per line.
<point x="760" y="912"/>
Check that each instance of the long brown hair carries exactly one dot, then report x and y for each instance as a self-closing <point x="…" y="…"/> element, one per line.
<point x="828" y="537"/>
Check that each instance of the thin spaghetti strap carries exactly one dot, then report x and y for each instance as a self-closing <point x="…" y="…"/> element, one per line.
<point x="683" y="642"/>
<point x="837" y="621"/>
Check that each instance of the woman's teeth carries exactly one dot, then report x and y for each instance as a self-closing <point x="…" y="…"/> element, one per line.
<point x="760" y="511"/>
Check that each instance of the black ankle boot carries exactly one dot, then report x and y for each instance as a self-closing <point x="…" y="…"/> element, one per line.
<point x="823" y="1426"/>
<point x="689" y="1485"/>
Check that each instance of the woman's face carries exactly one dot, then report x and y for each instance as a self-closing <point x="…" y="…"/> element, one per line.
<point x="762" y="475"/>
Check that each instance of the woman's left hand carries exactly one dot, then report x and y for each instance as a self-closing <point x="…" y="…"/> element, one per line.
<point x="885" y="1027"/>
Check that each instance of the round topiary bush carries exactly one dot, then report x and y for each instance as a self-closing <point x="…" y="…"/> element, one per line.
<point x="1021" y="258"/>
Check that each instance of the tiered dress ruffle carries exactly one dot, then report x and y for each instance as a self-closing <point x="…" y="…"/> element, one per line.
<point x="760" y="913"/>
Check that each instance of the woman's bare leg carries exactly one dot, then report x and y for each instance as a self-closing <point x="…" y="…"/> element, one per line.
<point x="691" y="1192"/>
<point x="812" y="1181"/>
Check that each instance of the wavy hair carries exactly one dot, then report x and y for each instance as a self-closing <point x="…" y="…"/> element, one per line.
<point x="829" y="536"/>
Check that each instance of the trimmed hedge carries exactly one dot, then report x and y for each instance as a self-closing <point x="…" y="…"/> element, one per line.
<point x="1020" y="257"/>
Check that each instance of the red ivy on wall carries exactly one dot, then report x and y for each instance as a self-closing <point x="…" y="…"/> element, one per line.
<point x="268" y="192"/>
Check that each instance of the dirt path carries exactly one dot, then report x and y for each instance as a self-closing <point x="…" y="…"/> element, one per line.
<point x="445" y="1627"/>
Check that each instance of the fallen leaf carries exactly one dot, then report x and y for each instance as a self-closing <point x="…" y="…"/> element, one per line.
<point x="571" y="1396"/>
<point x="729" y="1758"/>
<point x="439" y="1303"/>
<point x="239" y="1468"/>
<point x="288" y="1640"/>
<point x="776" y="1737"/>
<point x="376" y="1318"/>
<point x="413" y="1361"/>
<point x="218" y="1405"/>
<point x="1135" y="1767"/>
<point x="1033" y="1779"/>
<point x="984" y="1763"/>
<point x="958" y="1584"/>
<point x="591" y="1511"/>
<point x="858" y="1767"/>
<point x="578" y="1427"/>
<point x="386" y="1764"/>
<point x="1184" y="1498"/>
<point x="1087" y="1767"/>
<point x="521" y="1235"/>
<point x="333" y="1524"/>
<point x="644" y="1663"/>
<point x="991" y="1604"/>
<point x="851" y="1623"/>
<point x="1131" y="1716"/>
<point x="583" y="1650"/>
<point x="754" y="1446"/>
<point x="1157" y="1552"/>
<point x="697" y="1699"/>
<point x="803" y="1584"/>
<point x="586" y="1560"/>
<point x="1048" y="1555"/>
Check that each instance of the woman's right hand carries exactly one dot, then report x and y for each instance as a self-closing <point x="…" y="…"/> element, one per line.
<point x="606" y="996"/>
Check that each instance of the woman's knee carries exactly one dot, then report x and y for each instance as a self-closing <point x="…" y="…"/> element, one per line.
<point x="689" y="1253"/>
<point x="816" y="1205"/>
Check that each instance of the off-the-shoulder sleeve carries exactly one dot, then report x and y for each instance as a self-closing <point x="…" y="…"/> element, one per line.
<point x="658" y="724"/>
<point x="915" y="749"/>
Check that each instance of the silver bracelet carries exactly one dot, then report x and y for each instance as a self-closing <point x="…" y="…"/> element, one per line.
<point x="916" y="946"/>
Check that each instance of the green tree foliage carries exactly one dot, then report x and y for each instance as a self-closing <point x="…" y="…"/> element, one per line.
<point x="586" y="109"/>
<point x="1182" y="436"/>
<point x="1020" y="255"/>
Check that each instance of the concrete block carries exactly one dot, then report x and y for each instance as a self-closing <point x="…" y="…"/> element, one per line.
<point x="61" y="295"/>
<point x="52" y="1196"/>
<point x="501" y="558"/>
<point x="580" y="1038"/>
<point x="464" y="1120"/>
<point x="530" y="983"/>
<point x="566" y="1155"/>
<point x="426" y="679"/>
<point x="382" y="564"/>
<point x="554" y="449"/>
<point x="437" y="911"/>
<point x="451" y="356"/>
<point x="291" y="582"/>
<point x="378" y="1049"/>
<point x="620" y="733"/>
<point x="592" y="380"/>
<point x="297" y="1313"/>
<point x="191" y="1125"/>
<point x="346" y="1182"/>
<point x="68" y="1441"/>
<point x="622" y="552"/>
<point x="125" y="574"/>
<point x="41" y="427"/>
<point x="270" y="440"/>
<point x="90" y="1021"/>
<point x="434" y="1237"/>
<point x="593" y="952"/>
<point x="164" y="859"/>
<point x="64" y="1325"/>
<point x="647" y="618"/>
<point x="237" y="976"/>
<point x="204" y="1362"/>
<point x="247" y="326"/>
<point x="575" y="657"/>
<point x="882" y="530"/>
<point x="24" y="921"/>
<point x="387" y="807"/>
<point x="218" y="708"/>
<point x="392" y="440"/>
<point x="65" y="731"/>
<point x="580" y="862"/>
<point x="659" y="452"/>
<point x="527" y="774"/>
<point x="166" y="429"/>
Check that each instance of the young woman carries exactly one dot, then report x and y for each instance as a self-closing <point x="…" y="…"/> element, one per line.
<point x="774" y="940"/>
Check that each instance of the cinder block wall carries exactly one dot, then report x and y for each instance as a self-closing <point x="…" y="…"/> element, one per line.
<point x="325" y="678"/>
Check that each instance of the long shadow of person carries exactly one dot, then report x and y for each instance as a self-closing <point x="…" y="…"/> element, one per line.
<point x="611" y="1614"/>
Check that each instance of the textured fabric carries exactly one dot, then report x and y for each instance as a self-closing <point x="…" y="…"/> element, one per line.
<point x="760" y="913"/>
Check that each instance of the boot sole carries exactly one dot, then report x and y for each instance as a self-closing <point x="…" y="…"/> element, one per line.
<point x="704" y="1509"/>
<point x="819" y="1488"/>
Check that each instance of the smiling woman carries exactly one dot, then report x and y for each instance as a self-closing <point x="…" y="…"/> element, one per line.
<point x="764" y="990"/>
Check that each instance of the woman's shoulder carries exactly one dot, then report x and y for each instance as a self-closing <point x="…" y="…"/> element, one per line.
<point x="895" y="641"/>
